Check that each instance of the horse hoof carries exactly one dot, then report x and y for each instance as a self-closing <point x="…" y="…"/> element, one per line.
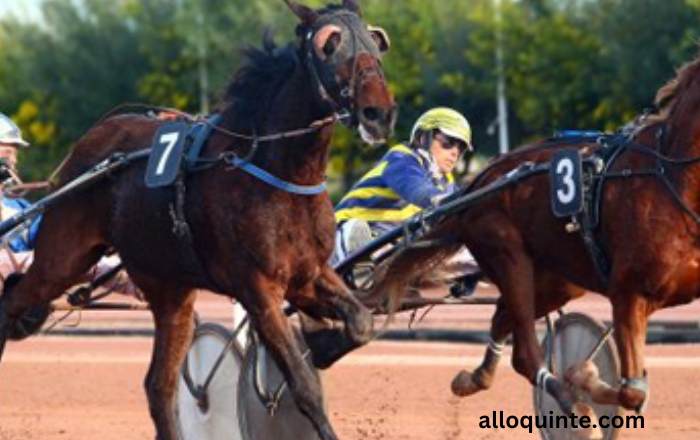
<point x="30" y="321"/>
<point x="590" y="433"/>
<point x="633" y="399"/>
<point x="583" y="375"/>
<point x="463" y="384"/>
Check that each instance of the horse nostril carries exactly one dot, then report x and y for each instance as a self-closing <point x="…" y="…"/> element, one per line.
<point x="371" y="113"/>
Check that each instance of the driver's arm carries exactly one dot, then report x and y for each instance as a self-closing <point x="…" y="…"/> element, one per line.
<point x="405" y="175"/>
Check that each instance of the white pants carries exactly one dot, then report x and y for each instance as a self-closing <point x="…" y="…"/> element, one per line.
<point x="347" y="240"/>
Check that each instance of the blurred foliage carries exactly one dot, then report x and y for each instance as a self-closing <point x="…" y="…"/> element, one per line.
<point x="586" y="64"/>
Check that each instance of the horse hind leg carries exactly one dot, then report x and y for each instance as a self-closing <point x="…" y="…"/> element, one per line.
<point x="551" y="293"/>
<point x="466" y="383"/>
<point x="173" y="315"/>
<point x="329" y="299"/>
<point x="512" y="270"/>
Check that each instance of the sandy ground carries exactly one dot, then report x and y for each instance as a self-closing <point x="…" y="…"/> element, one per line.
<point x="90" y="388"/>
<point x="77" y="388"/>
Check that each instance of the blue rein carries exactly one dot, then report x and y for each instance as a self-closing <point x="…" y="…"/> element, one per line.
<point x="302" y="190"/>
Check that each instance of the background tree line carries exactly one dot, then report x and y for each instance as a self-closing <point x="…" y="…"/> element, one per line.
<point x="586" y="64"/>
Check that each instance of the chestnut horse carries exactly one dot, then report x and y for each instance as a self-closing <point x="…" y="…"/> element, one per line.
<point x="650" y="231"/>
<point x="236" y="234"/>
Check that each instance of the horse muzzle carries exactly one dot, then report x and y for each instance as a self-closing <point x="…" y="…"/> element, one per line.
<point x="376" y="124"/>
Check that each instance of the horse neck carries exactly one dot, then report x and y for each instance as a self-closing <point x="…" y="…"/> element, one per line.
<point x="682" y="136"/>
<point x="299" y="159"/>
<point x="681" y="140"/>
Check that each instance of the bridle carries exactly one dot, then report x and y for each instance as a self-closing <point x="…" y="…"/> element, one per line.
<point x="337" y="97"/>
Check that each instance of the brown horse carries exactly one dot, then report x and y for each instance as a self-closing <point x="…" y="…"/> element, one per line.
<point x="649" y="231"/>
<point x="230" y="232"/>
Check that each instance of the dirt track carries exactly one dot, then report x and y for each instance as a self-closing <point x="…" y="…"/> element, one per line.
<point x="90" y="388"/>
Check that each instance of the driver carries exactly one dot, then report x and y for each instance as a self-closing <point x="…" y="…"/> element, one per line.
<point x="17" y="254"/>
<point x="411" y="177"/>
<point x="10" y="141"/>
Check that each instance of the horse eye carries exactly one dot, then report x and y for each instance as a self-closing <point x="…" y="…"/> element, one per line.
<point x="331" y="44"/>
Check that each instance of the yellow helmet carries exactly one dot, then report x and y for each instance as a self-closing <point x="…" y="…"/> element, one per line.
<point x="448" y="121"/>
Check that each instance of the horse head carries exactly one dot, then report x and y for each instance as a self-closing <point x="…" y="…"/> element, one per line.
<point x="343" y="57"/>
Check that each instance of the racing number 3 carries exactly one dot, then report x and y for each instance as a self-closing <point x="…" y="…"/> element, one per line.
<point x="565" y="170"/>
<point x="566" y="182"/>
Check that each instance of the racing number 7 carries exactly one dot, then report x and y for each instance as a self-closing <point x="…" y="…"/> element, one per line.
<point x="166" y="154"/>
<point x="170" y="139"/>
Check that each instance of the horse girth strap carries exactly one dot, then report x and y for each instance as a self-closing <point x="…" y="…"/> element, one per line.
<point x="274" y="181"/>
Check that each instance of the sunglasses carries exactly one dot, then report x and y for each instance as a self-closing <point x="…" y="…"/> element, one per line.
<point x="449" y="143"/>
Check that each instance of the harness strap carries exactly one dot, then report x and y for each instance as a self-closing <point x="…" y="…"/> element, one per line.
<point x="302" y="190"/>
<point x="201" y="137"/>
<point x="677" y="197"/>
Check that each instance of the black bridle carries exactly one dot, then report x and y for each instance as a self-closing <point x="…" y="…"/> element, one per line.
<point x="355" y="40"/>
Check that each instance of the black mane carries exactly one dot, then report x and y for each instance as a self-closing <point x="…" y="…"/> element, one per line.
<point x="257" y="82"/>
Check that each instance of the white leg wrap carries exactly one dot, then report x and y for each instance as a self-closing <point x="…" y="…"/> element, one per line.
<point x="496" y="347"/>
<point x="640" y="385"/>
<point x="542" y="377"/>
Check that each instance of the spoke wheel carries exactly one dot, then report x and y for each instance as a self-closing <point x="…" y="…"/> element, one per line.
<point x="575" y="336"/>
<point x="257" y="422"/>
<point x="215" y="415"/>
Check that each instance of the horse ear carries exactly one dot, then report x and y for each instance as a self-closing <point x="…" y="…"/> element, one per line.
<point x="307" y="15"/>
<point x="352" y="6"/>
<point x="380" y="37"/>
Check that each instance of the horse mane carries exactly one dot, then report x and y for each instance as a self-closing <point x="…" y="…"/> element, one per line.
<point x="255" y="84"/>
<point x="669" y="95"/>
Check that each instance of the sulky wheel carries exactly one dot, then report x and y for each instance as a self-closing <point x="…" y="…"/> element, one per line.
<point x="210" y="414"/>
<point x="272" y="415"/>
<point x="575" y="337"/>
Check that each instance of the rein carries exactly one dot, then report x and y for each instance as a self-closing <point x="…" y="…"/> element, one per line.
<point x="659" y="172"/>
<point x="244" y="164"/>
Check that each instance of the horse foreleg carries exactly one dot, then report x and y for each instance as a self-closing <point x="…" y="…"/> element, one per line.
<point x="466" y="383"/>
<point x="59" y="261"/>
<point x="329" y="298"/>
<point x="267" y="317"/>
<point x="173" y="314"/>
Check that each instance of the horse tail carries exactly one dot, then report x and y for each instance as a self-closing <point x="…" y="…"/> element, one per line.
<point x="402" y="272"/>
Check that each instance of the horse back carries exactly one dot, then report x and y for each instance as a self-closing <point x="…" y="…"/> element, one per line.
<point x="522" y="216"/>
<point x="117" y="134"/>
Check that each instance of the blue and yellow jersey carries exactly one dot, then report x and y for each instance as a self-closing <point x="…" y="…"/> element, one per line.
<point x="25" y="241"/>
<point x="398" y="187"/>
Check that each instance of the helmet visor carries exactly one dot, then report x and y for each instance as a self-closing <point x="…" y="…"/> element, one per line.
<point x="454" y="140"/>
